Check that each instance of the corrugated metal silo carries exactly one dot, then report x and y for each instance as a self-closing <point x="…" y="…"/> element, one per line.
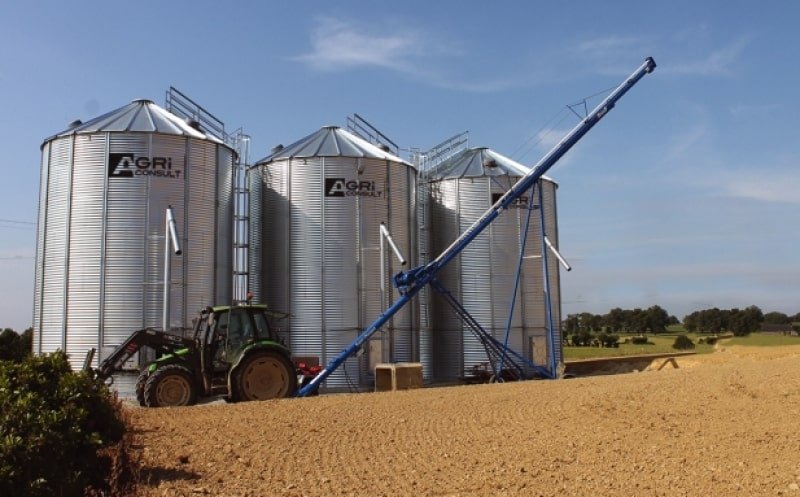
<point x="105" y="185"/>
<point x="482" y="278"/>
<point x="316" y="211"/>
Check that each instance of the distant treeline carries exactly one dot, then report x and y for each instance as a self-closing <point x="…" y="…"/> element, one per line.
<point x="655" y="320"/>
<point x="737" y="321"/>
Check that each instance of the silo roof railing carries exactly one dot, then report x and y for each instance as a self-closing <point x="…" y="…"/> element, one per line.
<point x="331" y="141"/>
<point x="474" y="163"/>
<point x="138" y="116"/>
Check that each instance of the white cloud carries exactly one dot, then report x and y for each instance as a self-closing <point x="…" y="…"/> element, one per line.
<point x="338" y="45"/>
<point x="684" y="141"/>
<point x="776" y="186"/>
<point x="677" y="54"/>
<point x="611" y="55"/>
<point x="610" y="45"/>
<point x="743" y="110"/>
<point x="542" y="142"/>
<point x="719" y="62"/>
<point x="549" y="138"/>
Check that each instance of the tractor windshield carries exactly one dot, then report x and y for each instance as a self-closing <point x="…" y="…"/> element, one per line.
<point x="262" y="326"/>
<point x="236" y="329"/>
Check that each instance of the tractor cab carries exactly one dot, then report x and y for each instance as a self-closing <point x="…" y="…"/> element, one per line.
<point x="224" y="332"/>
<point x="225" y="335"/>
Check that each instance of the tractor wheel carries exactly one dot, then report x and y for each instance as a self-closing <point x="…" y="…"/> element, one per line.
<point x="140" y="382"/>
<point x="169" y="386"/>
<point x="265" y="374"/>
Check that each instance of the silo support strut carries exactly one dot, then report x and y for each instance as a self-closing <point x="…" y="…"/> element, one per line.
<point x="500" y="355"/>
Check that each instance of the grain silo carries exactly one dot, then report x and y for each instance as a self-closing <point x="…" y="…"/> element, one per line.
<point x="316" y="210"/>
<point x="105" y="186"/>
<point x="482" y="277"/>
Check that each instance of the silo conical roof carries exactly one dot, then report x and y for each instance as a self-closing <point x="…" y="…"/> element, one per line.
<point x="138" y="116"/>
<point x="331" y="141"/>
<point x="476" y="162"/>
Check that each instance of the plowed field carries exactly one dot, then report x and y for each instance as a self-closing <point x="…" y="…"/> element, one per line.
<point x="722" y="424"/>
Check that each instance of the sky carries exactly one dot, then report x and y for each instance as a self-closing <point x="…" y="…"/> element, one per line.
<point x="686" y="195"/>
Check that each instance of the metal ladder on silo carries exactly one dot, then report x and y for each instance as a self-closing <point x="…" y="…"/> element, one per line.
<point x="182" y="106"/>
<point x="241" y="217"/>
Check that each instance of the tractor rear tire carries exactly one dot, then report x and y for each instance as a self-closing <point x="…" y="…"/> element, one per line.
<point x="140" y="382"/>
<point x="265" y="374"/>
<point x="170" y="386"/>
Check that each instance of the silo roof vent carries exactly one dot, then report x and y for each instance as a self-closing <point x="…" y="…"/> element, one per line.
<point x="193" y="123"/>
<point x="476" y="162"/>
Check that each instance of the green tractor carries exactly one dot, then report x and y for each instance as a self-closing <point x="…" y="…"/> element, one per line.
<point x="234" y="352"/>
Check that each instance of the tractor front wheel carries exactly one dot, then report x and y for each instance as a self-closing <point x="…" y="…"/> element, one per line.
<point x="170" y="386"/>
<point x="265" y="374"/>
<point x="140" y="382"/>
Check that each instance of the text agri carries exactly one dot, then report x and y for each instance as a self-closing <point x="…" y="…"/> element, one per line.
<point x="342" y="187"/>
<point x="129" y="165"/>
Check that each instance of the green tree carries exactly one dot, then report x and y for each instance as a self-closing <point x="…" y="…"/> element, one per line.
<point x="571" y="325"/>
<point x="614" y="320"/>
<point x="746" y="321"/>
<point x="776" y="318"/>
<point x="657" y="319"/>
<point x="15" y="347"/>
<point x="690" y="322"/>
<point x="638" y="321"/>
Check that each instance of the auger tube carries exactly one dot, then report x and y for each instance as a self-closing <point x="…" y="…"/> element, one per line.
<point x="412" y="281"/>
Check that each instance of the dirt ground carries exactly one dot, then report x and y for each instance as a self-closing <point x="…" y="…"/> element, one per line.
<point x="722" y="424"/>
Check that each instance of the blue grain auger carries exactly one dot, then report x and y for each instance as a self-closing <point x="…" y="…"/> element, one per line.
<point x="410" y="282"/>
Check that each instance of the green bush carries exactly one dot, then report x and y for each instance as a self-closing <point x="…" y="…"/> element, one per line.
<point x="682" y="342"/>
<point x="609" y="341"/>
<point x="53" y="422"/>
<point x="639" y="340"/>
<point x="582" y="339"/>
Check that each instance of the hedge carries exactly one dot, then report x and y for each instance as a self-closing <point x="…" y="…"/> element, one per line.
<point x="54" y="425"/>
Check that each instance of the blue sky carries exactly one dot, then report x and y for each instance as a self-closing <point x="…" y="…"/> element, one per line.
<point x="685" y="196"/>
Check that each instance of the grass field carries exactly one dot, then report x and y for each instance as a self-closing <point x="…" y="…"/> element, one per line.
<point x="662" y="344"/>
<point x="761" y="340"/>
<point x="659" y="344"/>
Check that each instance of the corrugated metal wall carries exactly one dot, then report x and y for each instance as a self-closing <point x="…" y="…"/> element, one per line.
<point x="423" y="242"/>
<point x="482" y="276"/>
<point x="320" y="257"/>
<point x="99" y="269"/>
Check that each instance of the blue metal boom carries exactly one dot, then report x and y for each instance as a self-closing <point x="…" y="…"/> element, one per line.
<point x="412" y="281"/>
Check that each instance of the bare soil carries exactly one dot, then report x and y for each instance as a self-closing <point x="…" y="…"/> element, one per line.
<point x="722" y="424"/>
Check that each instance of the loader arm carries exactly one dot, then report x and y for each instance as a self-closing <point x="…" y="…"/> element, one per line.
<point x="159" y="341"/>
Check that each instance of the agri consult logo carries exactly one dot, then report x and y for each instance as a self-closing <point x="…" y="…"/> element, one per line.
<point x="129" y="165"/>
<point x="518" y="203"/>
<point x="342" y="187"/>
